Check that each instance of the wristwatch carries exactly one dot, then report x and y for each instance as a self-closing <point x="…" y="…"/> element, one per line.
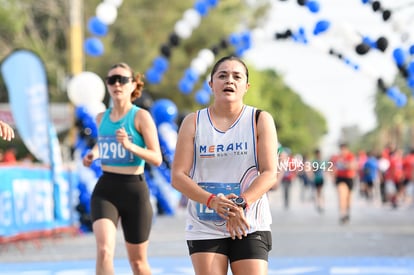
<point x="240" y="201"/>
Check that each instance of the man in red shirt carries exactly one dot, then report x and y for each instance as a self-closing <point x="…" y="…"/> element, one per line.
<point x="345" y="168"/>
<point x="408" y="168"/>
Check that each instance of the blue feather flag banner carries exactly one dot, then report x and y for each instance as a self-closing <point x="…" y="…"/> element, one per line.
<point x="25" y="77"/>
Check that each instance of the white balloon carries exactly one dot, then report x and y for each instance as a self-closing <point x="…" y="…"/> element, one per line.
<point x="207" y="55"/>
<point x="182" y="29"/>
<point x="116" y="3"/>
<point x="259" y="35"/>
<point x="86" y="88"/>
<point x="192" y="17"/>
<point x="106" y="12"/>
<point x="199" y="66"/>
<point x="94" y="108"/>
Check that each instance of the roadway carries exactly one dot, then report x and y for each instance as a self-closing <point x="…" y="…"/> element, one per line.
<point x="378" y="240"/>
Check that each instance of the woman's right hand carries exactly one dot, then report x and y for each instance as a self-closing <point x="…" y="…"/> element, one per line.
<point x="87" y="159"/>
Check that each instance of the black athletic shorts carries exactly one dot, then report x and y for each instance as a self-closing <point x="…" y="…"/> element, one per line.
<point x="348" y="181"/>
<point x="255" y="246"/>
<point x="125" y="197"/>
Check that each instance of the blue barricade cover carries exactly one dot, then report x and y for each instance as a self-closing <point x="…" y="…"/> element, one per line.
<point x="27" y="200"/>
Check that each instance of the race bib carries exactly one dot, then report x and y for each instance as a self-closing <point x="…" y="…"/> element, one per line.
<point x="112" y="152"/>
<point x="206" y="214"/>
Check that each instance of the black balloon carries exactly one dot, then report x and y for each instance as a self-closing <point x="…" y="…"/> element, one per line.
<point x="376" y="5"/>
<point x="382" y="43"/>
<point x="224" y="43"/>
<point x="403" y="71"/>
<point x="302" y="2"/>
<point x="381" y="85"/>
<point x="165" y="50"/>
<point x="215" y="50"/>
<point x="362" y="48"/>
<point x="174" y="40"/>
<point x="386" y="14"/>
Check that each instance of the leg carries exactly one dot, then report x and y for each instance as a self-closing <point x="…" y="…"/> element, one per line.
<point x="105" y="235"/>
<point x="286" y="186"/>
<point x="210" y="263"/>
<point x="138" y="259"/>
<point x="343" y="197"/>
<point x="249" y="266"/>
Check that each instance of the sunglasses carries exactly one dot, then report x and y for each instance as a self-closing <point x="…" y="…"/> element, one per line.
<point x="111" y="80"/>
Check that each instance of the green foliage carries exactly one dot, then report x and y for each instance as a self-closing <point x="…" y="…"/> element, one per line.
<point x="299" y="126"/>
<point x="394" y="124"/>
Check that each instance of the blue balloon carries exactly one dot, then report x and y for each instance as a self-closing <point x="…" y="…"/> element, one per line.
<point x="97" y="27"/>
<point x="93" y="46"/>
<point x="202" y="97"/>
<point x="160" y="63"/>
<point x="313" y="6"/>
<point x="239" y="51"/>
<point x="410" y="82"/>
<point x="201" y="7"/>
<point x="164" y="110"/>
<point x="365" y="1"/>
<point x="234" y="39"/>
<point x="212" y="3"/>
<point x="393" y="93"/>
<point x="206" y="87"/>
<point x="411" y="49"/>
<point x="401" y="100"/>
<point x="321" y="26"/>
<point x="80" y="112"/>
<point x="367" y="40"/>
<point x="191" y="75"/>
<point x="153" y="76"/>
<point x="185" y="86"/>
<point x="410" y="68"/>
<point x="399" y="56"/>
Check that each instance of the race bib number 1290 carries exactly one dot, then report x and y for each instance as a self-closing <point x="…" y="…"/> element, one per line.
<point x="112" y="152"/>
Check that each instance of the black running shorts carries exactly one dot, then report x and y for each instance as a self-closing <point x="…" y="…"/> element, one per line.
<point x="124" y="197"/>
<point x="255" y="246"/>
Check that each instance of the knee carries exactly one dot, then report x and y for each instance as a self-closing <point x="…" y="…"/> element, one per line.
<point x="105" y="254"/>
<point x="140" y="267"/>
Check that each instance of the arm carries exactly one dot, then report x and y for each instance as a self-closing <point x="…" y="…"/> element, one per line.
<point x="268" y="173"/>
<point x="267" y="159"/>
<point x="6" y="131"/>
<point x="94" y="152"/>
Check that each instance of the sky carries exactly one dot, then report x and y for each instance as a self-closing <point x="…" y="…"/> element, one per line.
<point x="345" y="96"/>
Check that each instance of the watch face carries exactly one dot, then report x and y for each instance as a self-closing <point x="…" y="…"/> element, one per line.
<point x="239" y="200"/>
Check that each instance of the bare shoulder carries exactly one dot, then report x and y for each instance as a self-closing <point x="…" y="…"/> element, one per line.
<point x="188" y="124"/>
<point x="265" y="118"/>
<point x="99" y="117"/>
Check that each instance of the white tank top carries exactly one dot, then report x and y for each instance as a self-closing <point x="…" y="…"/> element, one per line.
<point x="225" y="162"/>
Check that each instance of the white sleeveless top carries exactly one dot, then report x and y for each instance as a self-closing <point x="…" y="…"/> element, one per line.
<point x="225" y="162"/>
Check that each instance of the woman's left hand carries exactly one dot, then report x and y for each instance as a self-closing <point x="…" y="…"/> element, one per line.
<point x="237" y="224"/>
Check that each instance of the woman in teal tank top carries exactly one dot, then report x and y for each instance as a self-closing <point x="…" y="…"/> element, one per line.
<point x="127" y="139"/>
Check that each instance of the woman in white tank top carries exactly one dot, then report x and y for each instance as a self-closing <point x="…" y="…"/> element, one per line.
<point x="225" y="162"/>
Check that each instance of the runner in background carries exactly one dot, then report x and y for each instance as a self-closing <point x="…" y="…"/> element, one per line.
<point x="318" y="168"/>
<point x="345" y="169"/>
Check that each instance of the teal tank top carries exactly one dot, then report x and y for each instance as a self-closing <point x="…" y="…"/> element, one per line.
<point x="111" y="151"/>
